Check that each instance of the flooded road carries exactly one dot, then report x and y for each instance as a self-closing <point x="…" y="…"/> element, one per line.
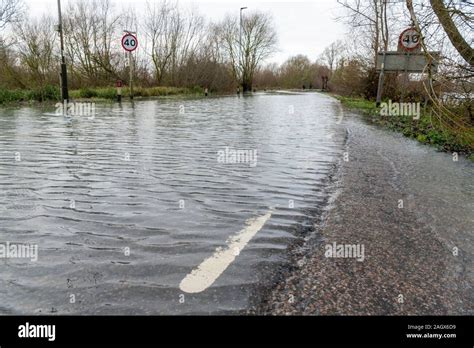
<point x="411" y="209"/>
<point x="126" y="205"/>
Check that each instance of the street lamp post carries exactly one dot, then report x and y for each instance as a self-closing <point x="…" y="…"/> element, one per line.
<point x="64" y="87"/>
<point x="240" y="46"/>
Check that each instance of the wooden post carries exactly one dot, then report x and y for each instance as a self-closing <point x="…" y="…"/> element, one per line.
<point x="119" y="90"/>
<point x="405" y="77"/>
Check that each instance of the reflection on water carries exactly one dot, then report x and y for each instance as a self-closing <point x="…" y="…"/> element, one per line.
<point x="123" y="206"/>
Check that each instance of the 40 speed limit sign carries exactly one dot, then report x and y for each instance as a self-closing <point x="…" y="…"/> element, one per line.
<point x="409" y="39"/>
<point x="129" y="42"/>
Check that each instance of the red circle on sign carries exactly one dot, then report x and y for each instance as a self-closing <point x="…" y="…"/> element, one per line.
<point x="400" y="40"/>
<point x="128" y="47"/>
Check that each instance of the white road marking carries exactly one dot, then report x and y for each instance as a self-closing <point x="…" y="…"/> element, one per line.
<point x="210" y="269"/>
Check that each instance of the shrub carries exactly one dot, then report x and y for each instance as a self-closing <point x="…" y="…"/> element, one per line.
<point x="51" y="93"/>
<point x="87" y="93"/>
<point x="422" y="138"/>
<point x="107" y="93"/>
<point x="7" y="96"/>
<point x="43" y="94"/>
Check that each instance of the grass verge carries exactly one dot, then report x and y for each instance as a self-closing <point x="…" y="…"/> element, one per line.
<point x="52" y="93"/>
<point x="111" y="93"/>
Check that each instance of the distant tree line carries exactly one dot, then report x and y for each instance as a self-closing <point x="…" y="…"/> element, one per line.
<point x="179" y="47"/>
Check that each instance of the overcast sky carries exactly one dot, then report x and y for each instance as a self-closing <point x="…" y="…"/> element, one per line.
<point x="304" y="26"/>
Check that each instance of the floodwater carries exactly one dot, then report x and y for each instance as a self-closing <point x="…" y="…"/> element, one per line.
<point x="124" y="205"/>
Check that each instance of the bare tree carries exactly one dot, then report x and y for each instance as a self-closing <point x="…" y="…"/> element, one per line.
<point x="190" y="37"/>
<point x="369" y="18"/>
<point x="158" y="28"/>
<point x="175" y="36"/>
<point x="89" y="29"/>
<point x="226" y="35"/>
<point x="36" y="49"/>
<point x="332" y="54"/>
<point x="11" y="11"/>
<point x="457" y="39"/>
<point x="259" y="41"/>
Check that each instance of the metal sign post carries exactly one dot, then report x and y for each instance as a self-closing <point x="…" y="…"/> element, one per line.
<point x="130" y="65"/>
<point x="130" y="44"/>
<point x="405" y="77"/>
<point x="380" y="86"/>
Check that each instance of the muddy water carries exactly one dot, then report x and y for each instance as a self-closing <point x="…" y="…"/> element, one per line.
<point x="123" y="206"/>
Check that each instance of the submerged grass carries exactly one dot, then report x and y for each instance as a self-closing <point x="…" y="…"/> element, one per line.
<point x="427" y="130"/>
